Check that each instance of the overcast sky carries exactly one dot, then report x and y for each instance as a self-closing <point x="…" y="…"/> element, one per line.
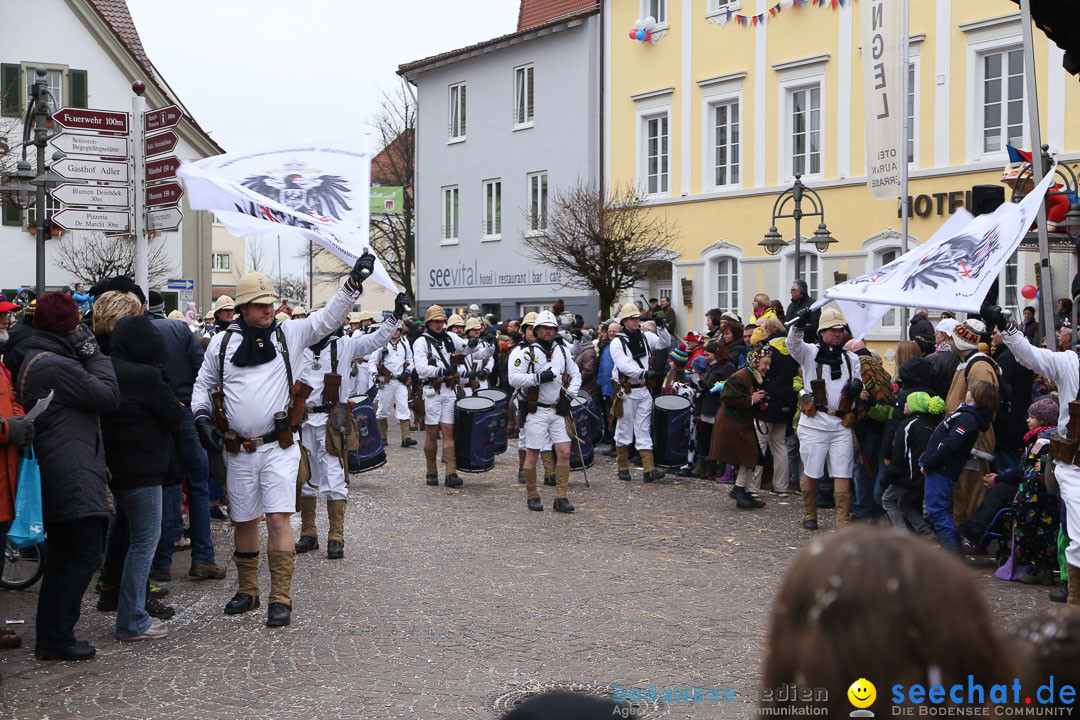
<point x="257" y="74"/>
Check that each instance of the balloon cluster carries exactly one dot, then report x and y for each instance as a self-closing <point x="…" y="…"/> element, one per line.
<point x="643" y="29"/>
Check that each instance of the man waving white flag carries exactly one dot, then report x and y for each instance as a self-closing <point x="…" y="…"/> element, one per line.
<point x="321" y="192"/>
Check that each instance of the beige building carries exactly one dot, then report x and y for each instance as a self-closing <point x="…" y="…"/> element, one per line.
<point x="228" y="261"/>
<point x="331" y="272"/>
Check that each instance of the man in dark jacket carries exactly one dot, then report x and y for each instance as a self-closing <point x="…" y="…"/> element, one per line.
<point x="920" y="326"/>
<point x="182" y="360"/>
<point x="138" y="438"/>
<point x="773" y="422"/>
<point x="586" y="361"/>
<point x="800" y="299"/>
<point x="1009" y="428"/>
<point x="63" y="357"/>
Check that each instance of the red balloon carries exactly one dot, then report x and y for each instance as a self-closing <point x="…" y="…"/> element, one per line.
<point x="1029" y="291"/>
<point x="633" y="34"/>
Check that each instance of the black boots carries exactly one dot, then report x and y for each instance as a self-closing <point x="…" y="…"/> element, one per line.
<point x="563" y="505"/>
<point x="306" y="543"/>
<point x="335" y="549"/>
<point x="744" y="501"/>
<point x="432" y="480"/>
<point x="278" y="615"/>
<point x="535" y="504"/>
<point x="1059" y="594"/>
<point x="241" y="603"/>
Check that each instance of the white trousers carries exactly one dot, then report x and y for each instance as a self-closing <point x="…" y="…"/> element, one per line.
<point x="835" y="446"/>
<point x="263" y="481"/>
<point x="440" y="407"/>
<point x="327" y="475"/>
<point x="544" y="428"/>
<point x="395" y="395"/>
<point x="635" y="425"/>
<point x="1068" y="477"/>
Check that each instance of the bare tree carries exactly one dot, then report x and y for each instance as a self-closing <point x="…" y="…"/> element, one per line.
<point x="256" y="256"/>
<point x="293" y="287"/>
<point x="602" y="244"/>
<point x="93" y="256"/>
<point x="393" y="236"/>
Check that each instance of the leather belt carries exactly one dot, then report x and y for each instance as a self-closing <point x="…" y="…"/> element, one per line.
<point x="829" y="411"/>
<point x="545" y="405"/>
<point x="250" y="444"/>
<point x="318" y="408"/>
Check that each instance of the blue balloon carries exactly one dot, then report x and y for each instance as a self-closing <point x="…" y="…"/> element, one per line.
<point x="641" y="35"/>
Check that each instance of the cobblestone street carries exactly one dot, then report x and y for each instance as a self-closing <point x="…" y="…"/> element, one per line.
<point x="450" y="599"/>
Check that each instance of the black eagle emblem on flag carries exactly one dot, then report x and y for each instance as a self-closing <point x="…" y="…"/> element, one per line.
<point x="307" y="191"/>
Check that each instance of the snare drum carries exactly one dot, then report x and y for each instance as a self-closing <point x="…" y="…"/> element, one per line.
<point x="672" y="415"/>
<point x="595" y="421"/>
<point x="502" y="406"/>
<point x="579" y="414"/>
<point x="372" y="452"/>
<point x="474" y="434"/>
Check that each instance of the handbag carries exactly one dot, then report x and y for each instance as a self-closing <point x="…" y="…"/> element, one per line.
<point x="28" y="527"/>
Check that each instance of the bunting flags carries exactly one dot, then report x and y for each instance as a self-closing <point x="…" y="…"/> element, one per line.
<point x="761" y="18"/>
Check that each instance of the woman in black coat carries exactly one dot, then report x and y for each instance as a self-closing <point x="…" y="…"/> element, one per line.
<point x="63" y="357"/>
<point x="138" y="436"/>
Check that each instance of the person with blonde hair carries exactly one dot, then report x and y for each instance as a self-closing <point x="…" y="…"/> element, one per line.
<point x="763" y="307"/>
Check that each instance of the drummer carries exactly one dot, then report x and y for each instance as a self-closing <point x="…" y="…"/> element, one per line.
<point x="321" y="371"/>
<point x="547" y="457"/>
<point x="394" y="362"/>
<point x="633" y="354"/>
<point x="439" y="355"/>
<point x="477" y="371"/>
<point x="361" y="371"/>
<point x="546" y="366"/>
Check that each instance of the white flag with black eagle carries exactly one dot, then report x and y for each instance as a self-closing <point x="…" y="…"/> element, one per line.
<point x="321" y="192"/>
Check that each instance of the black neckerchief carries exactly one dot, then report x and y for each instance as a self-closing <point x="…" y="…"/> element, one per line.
<point x="219" y="324"/>
<point x="547" y="347"/>
<point x="831" y="355"/>
<point x="636" y="341"/>
<point x="256" y="344"/>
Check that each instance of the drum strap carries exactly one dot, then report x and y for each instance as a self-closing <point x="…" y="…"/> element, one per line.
<point x="438" y="351"/>
<point x="333" y="356"/>
<point x="626" y="349"/>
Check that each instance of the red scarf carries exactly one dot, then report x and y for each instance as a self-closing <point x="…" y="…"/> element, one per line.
<point x="1032" y="434"/>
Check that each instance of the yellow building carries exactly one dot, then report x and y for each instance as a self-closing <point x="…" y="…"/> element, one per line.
<point x="713" y="120"/>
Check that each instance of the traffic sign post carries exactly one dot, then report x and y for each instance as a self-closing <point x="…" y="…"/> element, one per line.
<point x="166" y="117"/>
<point x="103" y="195"/>
<point x="164" y="193"/>
<point x="102" y="170"/>
<point x="161" y="143"/>
<point x="86" y="144"/>
<point x="162" y="169"/>
<point x="111" y="220"/>
<point x="167" y="218"/>
<point x="88" y="119"/>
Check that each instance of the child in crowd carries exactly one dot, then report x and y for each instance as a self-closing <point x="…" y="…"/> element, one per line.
<point x="949" y="452"/>
<point x="903" y="497"/>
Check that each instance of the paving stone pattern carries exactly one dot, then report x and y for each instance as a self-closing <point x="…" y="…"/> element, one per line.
<point x="448" y="600"/>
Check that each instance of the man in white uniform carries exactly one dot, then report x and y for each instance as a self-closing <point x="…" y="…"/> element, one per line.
<point x="248" y="373"/>
<point x="439" y="355"/>
<point x="328" y="357"/>
<point x="476" y="370"/>
<point x="546" y="366"/>
<point x="394" y="363"/>
<point x="822" y="436"/>
<point x="632" y="353"/>
<point x="1063" y="369"/>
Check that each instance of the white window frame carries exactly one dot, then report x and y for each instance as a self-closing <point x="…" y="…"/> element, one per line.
<point x="789" y="274"/>
<point x="451" y="215"/>
<point x="711" y="257"/>
<point x="663" y="154"/>
<point x="457" y="117"/>
<point x="59" y="98"/>
<point x="795" y="77"/>
<point x="875" y="248"/>
<point x="538" y="186"/>
<point x="524" y="74"/>
<point x="721" y="7"/>
<point x="651" y="105"/>
<point x="217" y="265"/>
<point x="732" y="294"/>
<point x="914" y="87"/>
<point x="492" y="229"/>
<point x="1018" y="307"/>
<point x="983" y="38"/>
<point x="661" y="15"/>
<point x="715" y="92"/>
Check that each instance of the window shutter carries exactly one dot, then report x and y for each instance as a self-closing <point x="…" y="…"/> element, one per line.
<point x="77" y="90"/>
<point x="11" y="102"/>
<point x="12" y="215"/>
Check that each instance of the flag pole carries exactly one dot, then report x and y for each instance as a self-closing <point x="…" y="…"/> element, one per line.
<point x="905" y="133"/>
<point x="1046" y="306"/>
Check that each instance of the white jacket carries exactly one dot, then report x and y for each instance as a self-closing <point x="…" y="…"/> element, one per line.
<point x="1063" y="368"/>
<point x="427" y="348"/>
<point x="525" y="369"/>
<point x="806" y="356"/>
<point x="634" y="368"/>
<point x="394" y="357"/>
<point x="347" y="349"/>
<point x="253" y="394"/>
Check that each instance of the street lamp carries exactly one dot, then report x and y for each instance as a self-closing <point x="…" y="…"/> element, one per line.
<point x="27" y="188"/>
<point x="774" y="242"/>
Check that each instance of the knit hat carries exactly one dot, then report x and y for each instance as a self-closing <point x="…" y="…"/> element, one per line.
<point x="1045" y="410"/>
<point x="966" y="335"/>
<point x="56" y="313"/>
<point x="157" y="303"/>
<point x="679" y="355"/>
<point x="921" y="402"/>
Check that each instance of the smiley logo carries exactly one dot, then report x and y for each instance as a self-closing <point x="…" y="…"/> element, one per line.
<point x="862" y="694"/>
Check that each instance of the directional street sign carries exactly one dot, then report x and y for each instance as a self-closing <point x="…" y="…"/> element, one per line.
<point x="85" y="119"/>
<point x="180" y="284"/>
<point x="164" y="219"/>
<point x="108" y="195"/>
<point x="164" y="194"/>
<point x="107" y="170"/>
<point x="92" y="219"/>
<point x="162" y="169"/>
<point x="99" y="145"/>
<point x="166" y="117"/>
<point x="161" y="143"/>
